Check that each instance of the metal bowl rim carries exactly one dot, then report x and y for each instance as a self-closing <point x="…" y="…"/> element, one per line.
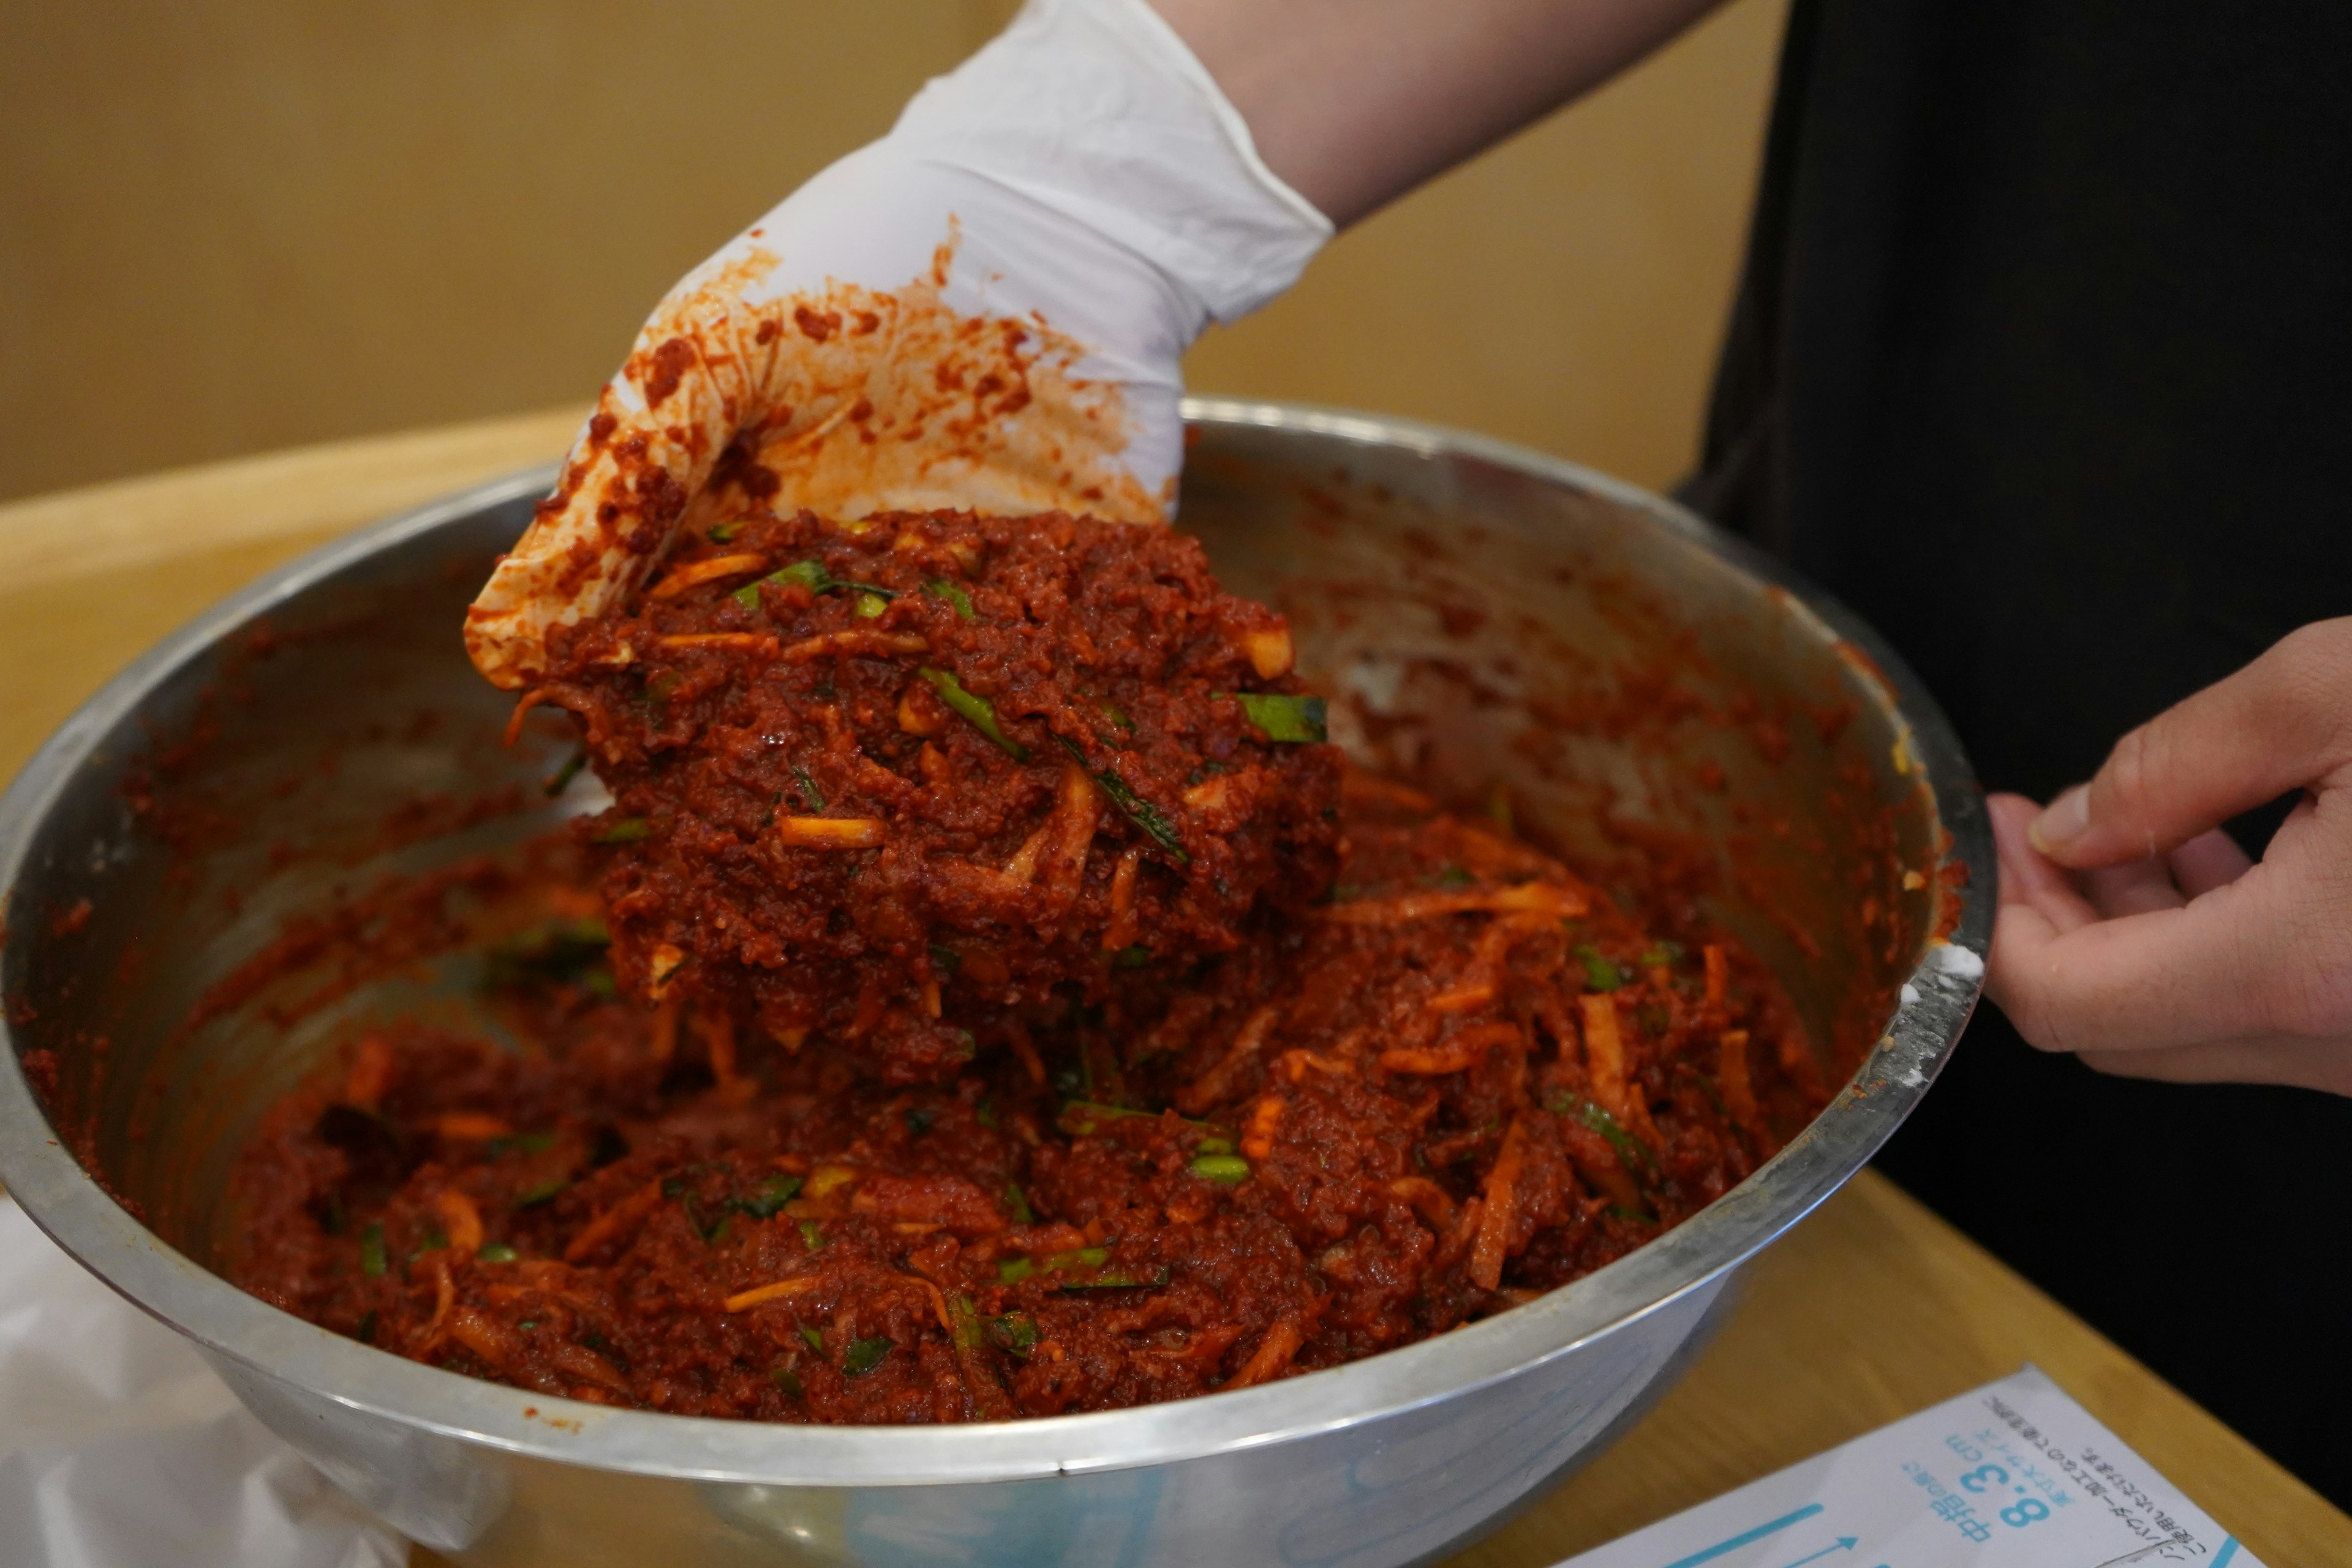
<point x="77" y="1213"/>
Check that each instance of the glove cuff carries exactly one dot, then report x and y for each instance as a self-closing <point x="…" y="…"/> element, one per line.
<point x="1097" y="110"/>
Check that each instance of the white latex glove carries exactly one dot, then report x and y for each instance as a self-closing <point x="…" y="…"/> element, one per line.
<point x="983" y="310"/>
<point x="119" y="1448"/>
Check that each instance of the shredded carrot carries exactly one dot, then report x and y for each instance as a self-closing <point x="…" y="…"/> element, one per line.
<point x="1210" y="1087"/>
<point x="1422" y="1061"/>
<point x="983" y="883"/>
<point x="872" y="644"/>
<point x="914" y="719"/>
<point x="1075" y="812"/>
<point x="1501" y="1210"/>
<point x="1719" y="978"/>
<point x="930" y="993"/>
<point x="1602" y="1167"/>
<point x="482" y="1334"/>
<point x="445" y="1296"/>
<point x="1023" y="867"/>
<point x="1295" y="1065"/>
<point x="1030" y="1061"/>
<point x="717" y="1030"/>
<point x="1533" y="898"/>
<point x="873" y="1002"/>
<point x="601" y="1381"/>
<point x="1257" y="1142"/>
<point x="1604" y="1060"/>
<point x="1494" y="941"/>
<point x="735" y="642"/>
<point x="1456" y="1241"/>
<point x="938" y="1303"/>
<point x="1120" y="933"/>
<point x="1428" y="1199"/>
<point x="744" y="1300"/>
<point x="1208" y="795"/>
<point x="1270" y="653"/>
<point x="665" y="962"/>
<point x="444" y="1292"/>
<point x="1731" y="1072"/>
<point x="1461" y="1050"/>
<point x="1462" y="999"/>
<point x="1487" y="961"/>
<point x="463" y="1219"/>
<point x="1604" y="1052"/>
<point x="471" y="1125"/>
<point x="830" y="832"/>
<point x="1272" y="1356"/>
<point x="523" y="705"/>
<point x="612" y="1221"/>
<point x="697" y="572"/>
<point x="1482" y="1034"/>
<point x="792" y="1037"/>
<point x="1486" y="852"/>
<point x="1358" y="786"/>
<point x="371" y="1074"/>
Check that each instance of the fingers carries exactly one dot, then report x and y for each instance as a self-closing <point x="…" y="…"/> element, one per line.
<point x="766" y="380"/>
<point x="2325" y="1065"/>
<point x="2197" y="964"/>
<point x="2162" y="977"/>
<point x="2284" y="720"/>
<point x="696" y="376"/>
<point x="2208" y="861"/>
<point x="2132" y="888"/>
<point x="2029" y="883"/>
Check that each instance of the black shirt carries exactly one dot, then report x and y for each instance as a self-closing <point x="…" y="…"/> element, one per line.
<point x="2041" y="364"/>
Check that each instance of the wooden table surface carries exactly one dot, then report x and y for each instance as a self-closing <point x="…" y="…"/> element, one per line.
<point x="1871" y="1309"/>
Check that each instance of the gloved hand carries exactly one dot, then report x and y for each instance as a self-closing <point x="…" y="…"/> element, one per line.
<point x="983" y="310"/>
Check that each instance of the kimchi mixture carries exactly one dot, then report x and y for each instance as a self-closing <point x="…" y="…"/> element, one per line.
<point x="851" y="762"/>
<point x="990" y="997"/>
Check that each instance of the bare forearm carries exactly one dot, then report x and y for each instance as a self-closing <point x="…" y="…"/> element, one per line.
<point x="1356" y="101"/>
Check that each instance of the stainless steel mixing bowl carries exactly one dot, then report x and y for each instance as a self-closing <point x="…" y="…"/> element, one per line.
<point x="1498" y="619"/>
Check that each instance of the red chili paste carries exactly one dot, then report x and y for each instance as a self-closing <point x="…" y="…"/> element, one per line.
<point x="1464" y="1079"/>
<point x="853" y="761"/>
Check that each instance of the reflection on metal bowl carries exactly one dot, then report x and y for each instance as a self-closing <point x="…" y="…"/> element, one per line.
<point x="1498" y="619"/>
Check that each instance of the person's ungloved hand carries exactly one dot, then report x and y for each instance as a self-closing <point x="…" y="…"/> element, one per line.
<point x="2135" y="933"/>
<point x="983" y="310"/>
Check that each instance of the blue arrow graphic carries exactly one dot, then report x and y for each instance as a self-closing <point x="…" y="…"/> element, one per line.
<point x="1844" y="1543"/>
<point x="1736" y="1541"/>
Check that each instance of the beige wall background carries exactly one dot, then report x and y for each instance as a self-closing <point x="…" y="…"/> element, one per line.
<point x="243" y="226"/>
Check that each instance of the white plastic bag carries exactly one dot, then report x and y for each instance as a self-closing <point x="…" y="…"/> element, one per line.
<point x="119" y="1448"/>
